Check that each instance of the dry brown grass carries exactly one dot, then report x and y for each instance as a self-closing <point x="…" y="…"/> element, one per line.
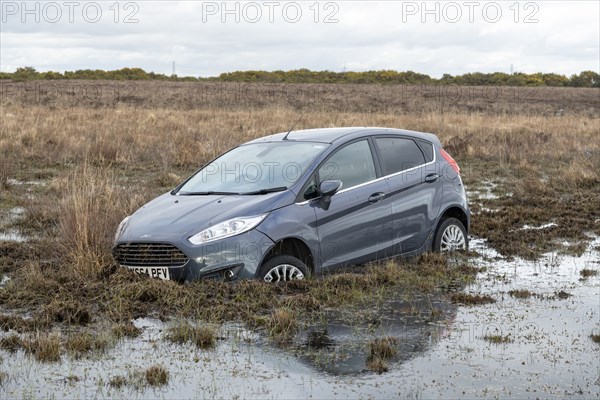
<point x="91" y="209"/>
<point x="472" y="299"/>
<point x="70" y="311"/>
<point x="44" y="347"/>
<point x="586" y="272"/>
<point x="11" y="343"/>
<point x="157" y="375"/>
<point x="203" y="337"/>
<point x="393" y="99"/>
<point x="85" y="343"/>
<point x="498" y="339"/>
<point x="520" y="293"/>
<point x="126" y="329"/>
<point x="381" y="350"/>
<point x="282" y="324"/>
<point x="101" y="160"/>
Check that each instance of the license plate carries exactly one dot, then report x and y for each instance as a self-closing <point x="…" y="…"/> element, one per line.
<point x="153" y="272"/>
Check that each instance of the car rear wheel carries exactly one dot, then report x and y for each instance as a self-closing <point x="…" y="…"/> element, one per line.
<point x="450" y="236"/>
<point x="283" y="268"/>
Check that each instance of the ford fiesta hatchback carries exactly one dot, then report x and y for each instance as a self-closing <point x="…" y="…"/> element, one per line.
<point x="298" y="203"/>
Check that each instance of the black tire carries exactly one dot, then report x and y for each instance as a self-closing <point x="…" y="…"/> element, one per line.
<point x="282" y="268"/>
<point x="449" y="225"/>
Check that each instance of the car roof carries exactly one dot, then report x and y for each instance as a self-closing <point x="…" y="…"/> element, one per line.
<point x="331" y="135"/>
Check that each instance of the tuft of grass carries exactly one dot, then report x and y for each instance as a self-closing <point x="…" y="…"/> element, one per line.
<point x="68" y="311"/>
<point x="377" y="365"/>
<point x="586" y="272"/>
<point x="117" y="381"/>
<point x="562" y="295"/>
<point x="44" y="347"/>
<point x="380" y="350"/>
<point x="498" y="339"/>
<point x="203" y="337"/>
<point x="126" y="329"/>
<point x="282" y="324"/>
<point x="90" y="211"/>
<point x="84" y="343"/>
<point x="520" y="293"/>
<point x="21" y="325"/>
<point x="11" y="343"/>
<point x="471" y="300"/>
<point x="383" y="348"/>
<point x="157" y="375"/>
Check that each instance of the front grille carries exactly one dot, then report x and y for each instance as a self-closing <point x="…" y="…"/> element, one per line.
<point x="149" y="255"/>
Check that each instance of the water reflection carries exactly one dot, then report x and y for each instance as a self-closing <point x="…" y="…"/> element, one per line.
<point x="338" y="343"/>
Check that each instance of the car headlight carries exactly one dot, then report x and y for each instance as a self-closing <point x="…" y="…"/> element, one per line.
<point x="228" y="228"/>
<point x="121" y="228"/>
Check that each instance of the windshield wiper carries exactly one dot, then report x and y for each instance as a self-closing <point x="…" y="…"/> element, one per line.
<point x="266" y="191"/>
<point x="205" y="193"/>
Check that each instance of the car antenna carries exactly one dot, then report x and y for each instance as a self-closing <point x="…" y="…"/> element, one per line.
<point x="293" y="126"/>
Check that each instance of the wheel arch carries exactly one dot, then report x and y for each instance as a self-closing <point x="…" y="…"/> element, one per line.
<point x="291" y="246"/>
<point x="457" y="212"/>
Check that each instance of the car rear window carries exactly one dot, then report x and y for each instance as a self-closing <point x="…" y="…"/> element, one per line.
<point x="399" y="154"/>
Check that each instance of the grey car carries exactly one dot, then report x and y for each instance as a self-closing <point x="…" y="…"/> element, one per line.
<point x="298" y="203"/>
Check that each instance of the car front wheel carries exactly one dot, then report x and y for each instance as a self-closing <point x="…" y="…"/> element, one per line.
<point x="283" y="268"/>
<point x="450" y="236"/>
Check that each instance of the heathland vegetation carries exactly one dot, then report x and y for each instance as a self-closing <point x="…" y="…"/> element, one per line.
<point x="583" y="79"/>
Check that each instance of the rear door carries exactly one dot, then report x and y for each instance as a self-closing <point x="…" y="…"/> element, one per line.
<point x="358" y="224"/>
<point x="415" y="190"/>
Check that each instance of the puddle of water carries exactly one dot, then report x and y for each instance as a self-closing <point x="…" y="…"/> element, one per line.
<point x="484" y="191"/>
<point x="6" y="219"/>
<point x="550" y="354"/>
<point x="13" y="235"/>
<point x="338" y="344"/>
<point x="17" y="182"/>
<point x="537" y="228"/>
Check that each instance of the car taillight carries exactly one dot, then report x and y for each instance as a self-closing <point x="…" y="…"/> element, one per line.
<point x="450" y="160"/>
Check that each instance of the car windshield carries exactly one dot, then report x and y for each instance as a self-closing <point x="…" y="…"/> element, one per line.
<point x="258" y="168"/>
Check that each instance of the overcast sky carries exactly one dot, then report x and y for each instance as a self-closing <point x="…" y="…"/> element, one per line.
<point x="207" y="38"/>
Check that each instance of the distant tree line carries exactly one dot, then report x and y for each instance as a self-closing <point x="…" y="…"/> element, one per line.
<point x="583" y="79"/>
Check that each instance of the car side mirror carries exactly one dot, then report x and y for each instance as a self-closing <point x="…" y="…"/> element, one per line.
<point x="328" y="189"/>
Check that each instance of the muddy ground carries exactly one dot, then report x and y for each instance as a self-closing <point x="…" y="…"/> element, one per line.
<point x="534" y="341"/>
<point x="516" y="317"/>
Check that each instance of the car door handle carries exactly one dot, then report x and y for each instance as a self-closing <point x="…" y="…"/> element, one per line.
<point x="375" y="197"/>
<point x="431" y="178"/>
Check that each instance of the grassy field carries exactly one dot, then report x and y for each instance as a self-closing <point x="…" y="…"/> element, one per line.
<point x="76" y="157"/>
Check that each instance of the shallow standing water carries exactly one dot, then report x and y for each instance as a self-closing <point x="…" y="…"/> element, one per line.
<point x="550" y="353"/>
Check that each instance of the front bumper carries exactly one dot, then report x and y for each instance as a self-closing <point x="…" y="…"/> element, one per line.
<point x="237" y="257"/>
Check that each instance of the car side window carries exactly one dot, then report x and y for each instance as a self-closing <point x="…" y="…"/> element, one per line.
<point x="399" y="154"/>
<point x="352" y="164"/>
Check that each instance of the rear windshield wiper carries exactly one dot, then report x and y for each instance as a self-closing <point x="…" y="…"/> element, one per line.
<point x="266" y="191"/>
<point x="205" y="193"/>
